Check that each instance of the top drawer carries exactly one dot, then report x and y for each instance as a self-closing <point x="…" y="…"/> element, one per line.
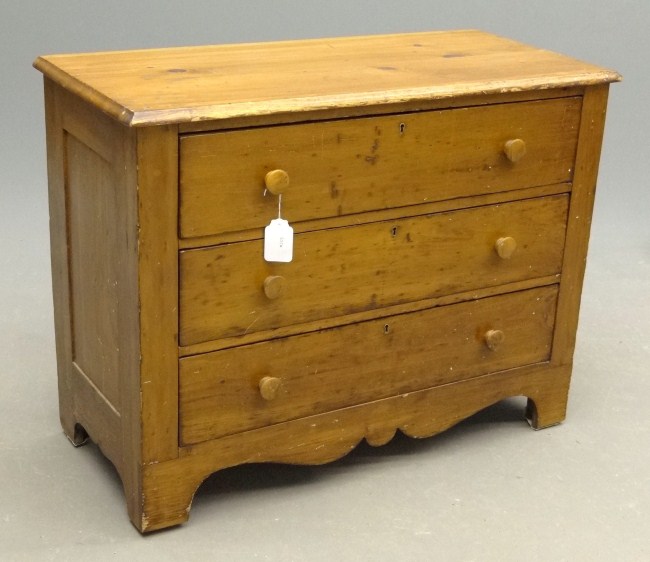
<point x="350" y="166"/>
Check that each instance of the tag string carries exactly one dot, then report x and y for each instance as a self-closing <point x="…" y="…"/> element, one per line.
<point x="280" y="206"/>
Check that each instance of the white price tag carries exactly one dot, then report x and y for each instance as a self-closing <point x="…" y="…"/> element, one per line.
<point x="278" y="241"/>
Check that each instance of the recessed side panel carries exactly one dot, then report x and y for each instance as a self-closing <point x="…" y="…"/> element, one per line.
<point x="94" y="266"/>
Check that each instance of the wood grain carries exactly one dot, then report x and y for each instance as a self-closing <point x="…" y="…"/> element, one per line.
<point x="392" y="108"/>
<point x="102" y="422"/>
<point x="200" y="83"/>
<point x="515" y="149"/>
<point x="59" y="258"/>
<point x="367" y="267"/>
<point x="157" y="168"/>
<point x="579" y="222"/>
<point x="505" y="247"/>
<point x="94" y="262"/>
<point x="219" y="392"/>
<point x="94" y="266"/>
<point x="340" y="168"/>
<point x="383" y="214"/>
<point x="333" y="322"/>
<point x="438" y="260"/>
<point x="170" y="486"/>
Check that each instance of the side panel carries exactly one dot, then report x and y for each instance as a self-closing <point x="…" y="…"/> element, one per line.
<point x="93" y="222"/>
<point x="95" y="265"/>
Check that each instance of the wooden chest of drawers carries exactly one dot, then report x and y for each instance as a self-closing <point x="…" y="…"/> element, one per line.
<point x="440" y="188"/>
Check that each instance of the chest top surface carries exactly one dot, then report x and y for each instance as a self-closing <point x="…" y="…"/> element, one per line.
<point x="184" y="84"/>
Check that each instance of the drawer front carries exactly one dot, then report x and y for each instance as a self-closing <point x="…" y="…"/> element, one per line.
<point x="357" y="268"/>
<point x="350" y="166"/>
<point x="252" y="386"/>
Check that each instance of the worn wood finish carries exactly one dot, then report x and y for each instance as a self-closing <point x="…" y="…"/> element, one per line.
<point x="269" y="387"/>
<point x="353" y="166"/>
<point x="59" y="259"/>
<point x="94" y="266"/>
<point x="383" y="214"/>
<point x="505" y="247"/>
<point x="219" y="392"/>
<point x="332" y="322"/>
<point x="579" y="223"/>
<point x="367" y="267"/>
<point x="403" y="106"/>
<point x="99" y="419"/>
<point x="170" y="486"/>
<point x="93" y="214"/>
<point x="440" y="186"/>
<point x="276" y="181"/>
<point x="157" y="159"/>
<point x="515" y="149"/>
<point x="494" y="338"/>
<point x="186" y="84"/>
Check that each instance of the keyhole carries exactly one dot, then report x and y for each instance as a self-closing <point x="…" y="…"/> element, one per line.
<point x="402" y="126"/>
<point x="386" y="329"/>
<point x="393" y="231"/>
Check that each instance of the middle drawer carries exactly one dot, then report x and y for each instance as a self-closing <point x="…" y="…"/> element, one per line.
<point x="229" y="290"/>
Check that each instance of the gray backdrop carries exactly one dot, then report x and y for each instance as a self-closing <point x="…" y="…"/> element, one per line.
<point x="490" y="489"/>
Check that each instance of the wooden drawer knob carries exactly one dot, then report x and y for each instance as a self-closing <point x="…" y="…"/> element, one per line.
<point x="274" y="286"/>
<point x="505" y="247"/>
<point x="276" y="181"/>
<point x="515" y="149"/>
<point x="269" y="387"/>
<point x="494" y="338"/>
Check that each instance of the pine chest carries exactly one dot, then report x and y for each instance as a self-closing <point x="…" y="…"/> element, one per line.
<point x="439" y="187"/>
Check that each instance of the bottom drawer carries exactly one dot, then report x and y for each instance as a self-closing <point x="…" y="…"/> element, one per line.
<point x="252" y="386"/>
